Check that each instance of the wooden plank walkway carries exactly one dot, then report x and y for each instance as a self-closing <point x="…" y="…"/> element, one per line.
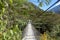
<point x="30" y="33"/>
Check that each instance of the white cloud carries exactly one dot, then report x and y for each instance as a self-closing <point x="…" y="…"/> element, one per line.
<point x="57" y="4"/>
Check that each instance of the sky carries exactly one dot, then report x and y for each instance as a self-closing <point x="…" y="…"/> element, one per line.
<point x="44" y="7"/>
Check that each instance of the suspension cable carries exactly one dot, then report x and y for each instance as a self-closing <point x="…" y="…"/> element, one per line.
<point x="51" y="6"/>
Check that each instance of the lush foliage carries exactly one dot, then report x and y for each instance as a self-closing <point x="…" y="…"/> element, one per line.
<point x="14" y="15"/>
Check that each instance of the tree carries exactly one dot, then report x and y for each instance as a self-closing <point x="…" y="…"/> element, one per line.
<point x="43" y="2"/>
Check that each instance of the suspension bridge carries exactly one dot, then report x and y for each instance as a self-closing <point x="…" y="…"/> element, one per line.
<point x="30" y="33"/>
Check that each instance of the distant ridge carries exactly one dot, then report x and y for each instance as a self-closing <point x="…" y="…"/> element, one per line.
<point x="56" y="9"/>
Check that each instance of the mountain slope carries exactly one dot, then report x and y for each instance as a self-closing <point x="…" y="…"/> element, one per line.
<point x="56" y="9"/>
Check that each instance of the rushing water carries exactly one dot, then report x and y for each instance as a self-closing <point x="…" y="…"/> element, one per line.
<point x="29" y="33"/>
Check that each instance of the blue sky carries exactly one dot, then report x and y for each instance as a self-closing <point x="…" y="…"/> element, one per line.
<point x="44" y="7"/>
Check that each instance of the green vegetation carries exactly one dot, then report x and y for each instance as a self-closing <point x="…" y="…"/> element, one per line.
<point x="14" y="15"/>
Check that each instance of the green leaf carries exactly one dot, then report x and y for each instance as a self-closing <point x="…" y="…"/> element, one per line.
<point x="47" y="2"/>
<point x="41" y="4"/>
<point x="3" y="10"/>
<point x="11" y="31"/>
<point x="11" y="1"/>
